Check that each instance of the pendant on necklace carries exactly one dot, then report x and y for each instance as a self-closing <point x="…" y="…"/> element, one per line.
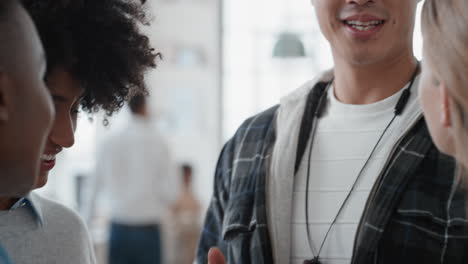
<point x="312" y="261"/>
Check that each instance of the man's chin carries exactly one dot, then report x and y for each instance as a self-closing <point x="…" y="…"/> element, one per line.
<point x="42" y="180"/>
<point x="364" y="58"/>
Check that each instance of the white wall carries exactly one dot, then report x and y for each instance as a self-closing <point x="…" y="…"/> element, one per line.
<point x="186" y="87"/>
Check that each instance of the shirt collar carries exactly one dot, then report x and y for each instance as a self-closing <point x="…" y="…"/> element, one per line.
<point x="31" y="201"/>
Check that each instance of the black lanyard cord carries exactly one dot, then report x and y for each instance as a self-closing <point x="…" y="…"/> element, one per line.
<point x="317" y="256"/>
<point x="402" y="102"/>
<point x="314" y="128"/>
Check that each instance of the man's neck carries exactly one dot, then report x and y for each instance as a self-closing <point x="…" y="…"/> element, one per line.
<point x="366" y="84"/>
<point x="187" y="189"/>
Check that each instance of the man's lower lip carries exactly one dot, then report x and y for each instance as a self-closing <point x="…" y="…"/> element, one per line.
<point x="363" y="34"/>
<point x="47" y="165"/>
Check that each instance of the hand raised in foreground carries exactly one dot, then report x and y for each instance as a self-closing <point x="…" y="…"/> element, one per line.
<point x="215" y="256"/>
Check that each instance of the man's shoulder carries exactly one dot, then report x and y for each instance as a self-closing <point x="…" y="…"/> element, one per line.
<point x="63" y="231"/>
<point x="419" y="131"/>
<point x="57" y="215"/>
<point x="418" y="143"/>
<point x="259" y="123"/>
<point x="250" y="144"/>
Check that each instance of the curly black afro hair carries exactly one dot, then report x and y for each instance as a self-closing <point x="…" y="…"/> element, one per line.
<point x="100" y="43"/>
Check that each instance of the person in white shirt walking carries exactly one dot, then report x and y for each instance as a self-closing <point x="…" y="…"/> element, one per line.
<point x="134" y="167"/>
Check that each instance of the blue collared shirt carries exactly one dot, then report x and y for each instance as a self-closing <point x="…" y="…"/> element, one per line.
<point x="24" y="201"/>
<point x="34" y="206"/>
<point x="4" y="258"/>
<point x="40" y="231"/>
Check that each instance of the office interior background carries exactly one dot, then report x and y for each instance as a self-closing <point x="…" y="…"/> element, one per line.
<point x="223" y="61"/>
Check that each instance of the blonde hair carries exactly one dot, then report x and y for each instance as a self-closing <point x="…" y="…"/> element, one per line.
<point x="445" y="30"/>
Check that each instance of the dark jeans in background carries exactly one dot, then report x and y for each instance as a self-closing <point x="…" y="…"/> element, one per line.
<point x="133" y="244"/>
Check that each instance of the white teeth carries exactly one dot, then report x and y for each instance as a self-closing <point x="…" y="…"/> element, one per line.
<point x="364" y="24"/>
<point x="360" y="28"/>
<point x="48" y="157"/>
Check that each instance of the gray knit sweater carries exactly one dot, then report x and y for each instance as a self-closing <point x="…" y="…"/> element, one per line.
<point x="40" y="231"/>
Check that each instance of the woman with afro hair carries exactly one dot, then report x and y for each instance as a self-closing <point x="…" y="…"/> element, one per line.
<point x="97" y="58"/>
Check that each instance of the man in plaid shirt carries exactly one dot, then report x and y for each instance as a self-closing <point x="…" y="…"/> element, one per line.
<point x="406" y="208"/>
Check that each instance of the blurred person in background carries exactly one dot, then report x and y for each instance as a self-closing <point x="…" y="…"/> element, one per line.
<point x="96" y="57"/>
<point x="135" y="169"/>
<point x="344" y="169"/>
<point x="185" y="220"/>
<point x="444" y="89"/>
<point x="26" y="110"/>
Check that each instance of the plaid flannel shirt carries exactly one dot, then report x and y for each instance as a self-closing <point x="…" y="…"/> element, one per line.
<point x="415" y="212"/>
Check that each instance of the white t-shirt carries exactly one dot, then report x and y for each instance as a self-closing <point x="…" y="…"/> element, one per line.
<point x="344" y="139"/>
